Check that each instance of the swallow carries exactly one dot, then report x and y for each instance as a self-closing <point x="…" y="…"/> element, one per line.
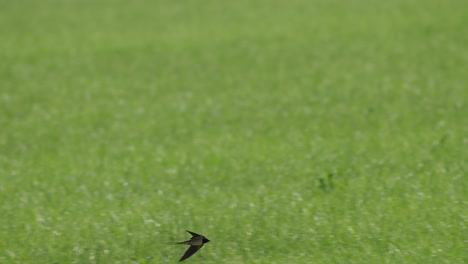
<point x="196" y="242"/>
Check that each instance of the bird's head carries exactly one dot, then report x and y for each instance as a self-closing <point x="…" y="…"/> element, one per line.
<point x="205" y="240"/>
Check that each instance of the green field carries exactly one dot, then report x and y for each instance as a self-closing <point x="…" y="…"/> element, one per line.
<point x="294" y="131"/>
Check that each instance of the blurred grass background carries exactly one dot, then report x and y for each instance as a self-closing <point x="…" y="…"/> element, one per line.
<point x="285" y="131"/>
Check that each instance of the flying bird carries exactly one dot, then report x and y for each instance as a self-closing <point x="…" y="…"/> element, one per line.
<point x="196" y="242"/>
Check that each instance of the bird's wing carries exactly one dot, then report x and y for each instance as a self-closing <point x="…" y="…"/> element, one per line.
<point x="190" y="251"/>
<point x="193" y="233"/>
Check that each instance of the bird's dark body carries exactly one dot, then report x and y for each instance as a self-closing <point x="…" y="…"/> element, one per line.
<point x="196" y="242"/>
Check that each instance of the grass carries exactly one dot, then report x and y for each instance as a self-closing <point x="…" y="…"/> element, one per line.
<point x="286" y="132"/>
